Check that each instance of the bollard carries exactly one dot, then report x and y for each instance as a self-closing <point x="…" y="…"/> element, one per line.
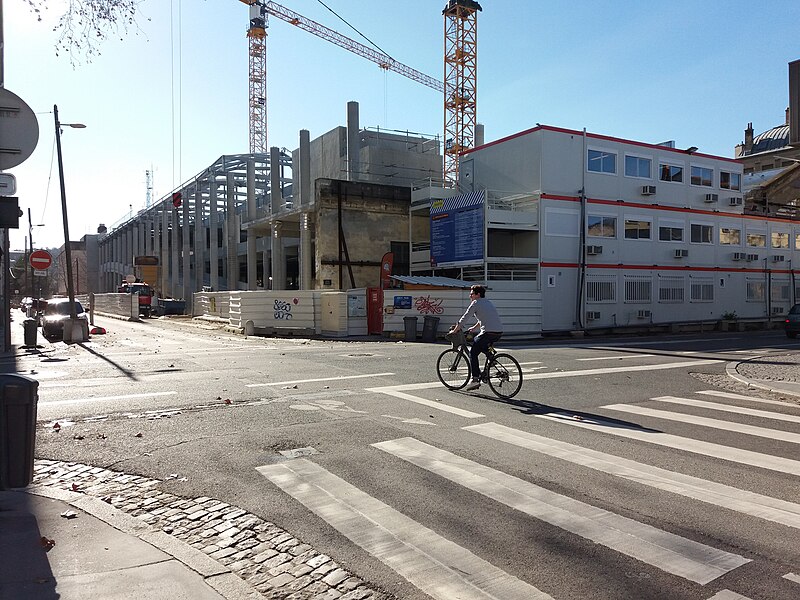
<point x="18" y="400"/>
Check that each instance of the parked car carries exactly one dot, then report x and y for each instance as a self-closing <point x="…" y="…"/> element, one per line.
<point x="792" y="323"/>
<point x="56" y="313"/>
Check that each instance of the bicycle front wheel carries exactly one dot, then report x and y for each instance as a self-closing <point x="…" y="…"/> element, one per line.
<point x="505" y="375"/>
<point x="452" y="367"/>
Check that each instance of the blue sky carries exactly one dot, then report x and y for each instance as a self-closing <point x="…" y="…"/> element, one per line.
<point x="171" y="95"/>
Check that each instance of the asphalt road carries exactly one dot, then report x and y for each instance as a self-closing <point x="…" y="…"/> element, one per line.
<point x="621" y="470"/>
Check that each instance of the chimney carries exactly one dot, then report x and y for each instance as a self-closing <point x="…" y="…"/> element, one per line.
<point x="748" y="139"/>
<point x="794" y="103"/>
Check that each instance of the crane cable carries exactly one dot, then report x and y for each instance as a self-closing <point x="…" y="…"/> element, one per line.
<point x="343" y="20"/>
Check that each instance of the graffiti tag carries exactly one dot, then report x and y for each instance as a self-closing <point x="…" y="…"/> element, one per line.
<point x="426" y="305"/>
<point x="283" y="310"/>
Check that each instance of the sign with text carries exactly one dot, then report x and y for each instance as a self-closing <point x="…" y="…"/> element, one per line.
<point x="457" y="229"/>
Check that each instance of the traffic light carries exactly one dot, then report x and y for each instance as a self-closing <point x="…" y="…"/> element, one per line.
<point x="176" y="199"/>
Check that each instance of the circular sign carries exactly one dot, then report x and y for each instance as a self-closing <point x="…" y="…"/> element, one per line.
<point x="19" y="130"/>
<point x="131" y="278"/>
<point x="40" y="259"/>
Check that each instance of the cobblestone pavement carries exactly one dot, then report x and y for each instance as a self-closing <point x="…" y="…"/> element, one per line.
<point x="271" y="560"/>
<point x="772" y="367"/>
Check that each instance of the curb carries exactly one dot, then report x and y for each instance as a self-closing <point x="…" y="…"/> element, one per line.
<point x="730" y="369"/>
<point x="216" y="575"/>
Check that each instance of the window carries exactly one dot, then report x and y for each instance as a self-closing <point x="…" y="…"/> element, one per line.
<point x="780" y="291"/>
<point x="779" y="240"/>
<point x="637" y="230"/>
<point x="797" y="241"/>
<point x="757" y="240"/>
<point x="755" y="290"/>
<point x="601" y="288"/>
<point x="670" y="231"/>
<point x="730" y="181"/>
<point x="701" y="290"/>
<point x="671" y="289"/>
<point x="638" y="289"/>
<point x="637" y="166"/>
<point x="702" y="234"/>
<point x="670" y="173"/>
<point x="602" y="162"/>
<point x="601" y="226"/>
<point x="729" y="236"/>
<point x="702" y="176"/>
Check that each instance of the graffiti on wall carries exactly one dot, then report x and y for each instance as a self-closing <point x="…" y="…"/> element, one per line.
<point x="282" y="310"/>
<point x="428" y="306"/>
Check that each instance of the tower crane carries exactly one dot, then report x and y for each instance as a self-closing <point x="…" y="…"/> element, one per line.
<point x="459" y="88"/>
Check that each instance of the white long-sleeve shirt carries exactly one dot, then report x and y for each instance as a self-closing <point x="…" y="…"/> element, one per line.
<point x="484" y="311"/>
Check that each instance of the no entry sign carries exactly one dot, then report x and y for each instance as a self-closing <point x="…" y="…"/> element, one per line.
<point x="40" y="259"/>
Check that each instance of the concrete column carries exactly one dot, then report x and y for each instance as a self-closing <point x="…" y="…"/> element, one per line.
<point x="275" y="192"/>
<point x="165" y="290"/>
<point x="155" y="249"/>
<point x="129" y="249"/>
<point x="232" y="230"/>
<point x="353" y="142"/>
<point x="213" y="250"/>
<point x="199" y="241"/>
<point x="276" y="243"/>
<point x="136" y="235"/>
<point x="305" y="257"/>
<point x="478" y="135"/>
<point x="304" y="155"/>
<point x="187" y="281"/>
<point x="174" y="254"/>
<point x="266" y="260"/>
<point x="252" y="256"/>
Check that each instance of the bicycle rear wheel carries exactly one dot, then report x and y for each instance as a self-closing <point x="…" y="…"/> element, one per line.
<point x="505" y="375"/>
<point x="452" y="367"/>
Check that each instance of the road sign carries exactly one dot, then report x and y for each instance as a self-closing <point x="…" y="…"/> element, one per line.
<point x="40" y="259"/>
<point x="19" y="130"/>
<point x="38" y="273"/>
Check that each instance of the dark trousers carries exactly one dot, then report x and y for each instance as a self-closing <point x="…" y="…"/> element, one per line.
<point x="480" y="344"/>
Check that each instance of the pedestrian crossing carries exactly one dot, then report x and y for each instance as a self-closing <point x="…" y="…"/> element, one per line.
<point x="444" y="570"/>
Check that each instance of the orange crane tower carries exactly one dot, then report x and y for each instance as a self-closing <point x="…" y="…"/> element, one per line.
<point x="459" y="88"/>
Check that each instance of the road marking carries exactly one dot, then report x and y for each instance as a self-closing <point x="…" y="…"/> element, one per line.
<point x="584" y="372"/>
<point x="764" y="414"/>
<point x="748" y="398"/>
<point x="717" y="494"/>
<point x="339" y="378"/>
<point x="746" y="457"/>
<point x="666" y="551"/>
<point x="792" y="577"/>
<point x="434" y="564"/>
<point x="616" y="357"/>
<point x="50" y="403"/>
<point x="728" y="595"/>
<point x="429" y="403"/>
<point x="784" y="436"/>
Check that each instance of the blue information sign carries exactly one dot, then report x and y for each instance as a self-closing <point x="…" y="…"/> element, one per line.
<point x="457" y="229"/>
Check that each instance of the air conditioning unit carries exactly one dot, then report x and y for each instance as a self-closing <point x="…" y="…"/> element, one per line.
<point x="592" y="315"/>
<point x="736" y="201"/>
<point x="777" y="310"/>
<point x="752" y="257"/>
<point x="681" y="253"/>
<point x="711" y="198"/>
<point x="739" y="256"/>
<point x="643" y="314"/>
<point x="648" y="190"/>
<point x="778" y="258"/>
<point x="593" y="250"/>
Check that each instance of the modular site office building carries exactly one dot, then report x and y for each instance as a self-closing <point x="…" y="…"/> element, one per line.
<point x="602" y="232"/>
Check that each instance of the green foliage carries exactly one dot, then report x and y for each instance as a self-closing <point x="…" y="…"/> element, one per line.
<point x="730" y="316"/>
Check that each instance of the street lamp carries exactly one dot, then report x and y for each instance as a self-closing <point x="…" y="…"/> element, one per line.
<point x="73" y="316"/>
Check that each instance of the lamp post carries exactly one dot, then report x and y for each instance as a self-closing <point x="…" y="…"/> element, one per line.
<point x="70" y="288"/>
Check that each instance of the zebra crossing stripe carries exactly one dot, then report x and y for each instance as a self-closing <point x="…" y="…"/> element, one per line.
<point x="765" y="414"/>
<point x="437" y="566"/>
<point x="792" y="577"/>
<point x="746" y="457"/>
<point x="776" y="434"/>
<point x="717" y="494"/>
<point x="728" y="595"/>
<point x="461" y="412"/>
<point x="666" y="551"/>
<point x="748" y="398"/>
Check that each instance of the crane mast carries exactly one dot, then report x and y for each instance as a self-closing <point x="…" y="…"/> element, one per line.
<point x="460" y="68"/>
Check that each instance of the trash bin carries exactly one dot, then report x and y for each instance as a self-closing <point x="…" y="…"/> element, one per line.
<point x="18" y="399"/>
<point x="429" y="327"/>
<point x="410" y="324"/>
<point x="29" y="326"/>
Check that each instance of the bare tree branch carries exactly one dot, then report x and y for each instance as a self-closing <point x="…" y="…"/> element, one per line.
<point x="86" y="24"/>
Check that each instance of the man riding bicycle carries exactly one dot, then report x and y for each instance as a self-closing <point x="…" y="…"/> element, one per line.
<point x="490" y="325"/>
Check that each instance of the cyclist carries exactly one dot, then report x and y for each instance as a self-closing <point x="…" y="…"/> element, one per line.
<point x="490" y="325"/>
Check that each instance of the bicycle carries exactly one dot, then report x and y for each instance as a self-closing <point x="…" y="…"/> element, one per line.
<point x="500" y="370"/>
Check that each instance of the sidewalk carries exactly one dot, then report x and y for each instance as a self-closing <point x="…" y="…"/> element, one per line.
<point x="119" y="537"/>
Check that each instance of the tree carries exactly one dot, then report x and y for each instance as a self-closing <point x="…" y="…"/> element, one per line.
<point x="86" y="24"/>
